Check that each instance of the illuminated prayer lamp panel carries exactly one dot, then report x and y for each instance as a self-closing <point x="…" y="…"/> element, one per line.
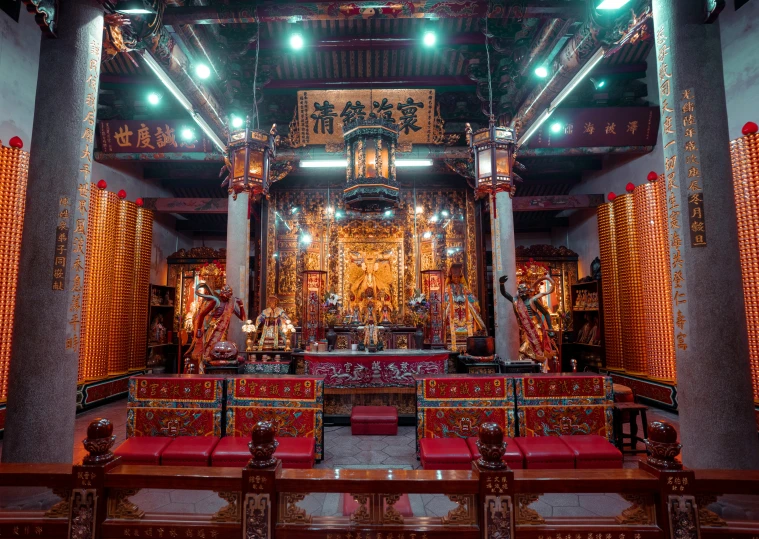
<point x="143" y="245"/>
<point x="745" y="157"/>
<point x="433" y="284"/>
<point x="14" y="171"/>
<point x="121" y="319"/>
<point x="653" y="251"/>
<point x="97" y="297"/>
<point x="493" y="151"/>
<point x="314" y="289"/>
<point x="612" y="322"/>
<point x="631" y="286"/>
<point x="371" y="183"/>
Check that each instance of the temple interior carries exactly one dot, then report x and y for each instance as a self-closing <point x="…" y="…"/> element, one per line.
<point x="414" y="269"/>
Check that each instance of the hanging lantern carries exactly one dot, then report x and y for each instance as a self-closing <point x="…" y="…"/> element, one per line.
<point x="250" y="152"/>
<point x="370" y="148"/>
<point x="493" y="149"/>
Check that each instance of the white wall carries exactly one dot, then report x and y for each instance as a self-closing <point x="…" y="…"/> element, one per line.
<point x="166" y="240"/>
<point x="19" y="64"/>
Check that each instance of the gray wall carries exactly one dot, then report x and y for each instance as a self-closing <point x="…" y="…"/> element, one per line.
<point x="19" y="60"/>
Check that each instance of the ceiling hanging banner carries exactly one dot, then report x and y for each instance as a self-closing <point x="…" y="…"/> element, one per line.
<point x="322" y="113"/>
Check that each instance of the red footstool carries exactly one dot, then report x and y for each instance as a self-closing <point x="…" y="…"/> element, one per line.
<point x="513" y="455"/>
<point x="374" y="420"/>
<point x="445" y="454"/>
<point x="232" y="451"/>
<point x="593" y="451"/>
<point x="403" y="505"/>
<point x="189" y="451"/>
<point x="545" y="453"/>
<point x="143" y="449"/>
<point x="296" y="452"/>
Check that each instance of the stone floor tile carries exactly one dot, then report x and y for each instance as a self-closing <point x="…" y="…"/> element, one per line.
<point x="180" y="508"/>
<point x="605" y="505"/>
<point x="371" y="457"/>
<point x="560" y="500"/>
<point x="572" y="512"/>
<point x="439" y="506"/>
<point x="417" y="505"/>
<point x="543" y="509"/>
<point x="399" y="451"/>
<point x="332" y="505"/>
<point x="189" y="496"/>
<point x="372" y="445"/>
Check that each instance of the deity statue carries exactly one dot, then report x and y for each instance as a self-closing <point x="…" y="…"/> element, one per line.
<point x="462" y="310"/>
<point x="212" y="322"/>
<point x="377" y="274"/>
<point x="371" y="330"/>
<point x="385" y="315"/>
<point x="534" y="321"/>
<point x="273" y="321"/>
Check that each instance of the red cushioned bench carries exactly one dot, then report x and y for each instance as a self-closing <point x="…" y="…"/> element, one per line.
<point x="189" y="451"/>
<point x="513" y="455"/>
<point x="445" y="454"/>
<point x="593" y="452"/>
<point x="233" y="451"/>
<point x="143" y="449"/>
<point x="374" y="420"/>
<point x="545" y="453"/>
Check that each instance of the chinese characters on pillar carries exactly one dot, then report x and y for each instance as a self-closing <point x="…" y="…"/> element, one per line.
<point x="673" y="184"/>
<point x="78" y="212"/>
<point x="322" y="114"/>
<point x="696" y="215"/>
<point x="61" y="244"/>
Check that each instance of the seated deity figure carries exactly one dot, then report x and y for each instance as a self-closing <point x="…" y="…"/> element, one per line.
<point x="462" y="310"/>
<point x="272" y="322"/>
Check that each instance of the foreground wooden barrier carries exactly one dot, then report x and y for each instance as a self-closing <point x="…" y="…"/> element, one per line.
<point x="262" y="500"/>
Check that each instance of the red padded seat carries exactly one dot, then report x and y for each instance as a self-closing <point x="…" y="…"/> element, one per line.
<point x="189" y="451"/>
<point x="374" y="420"/>
<point x="593" y="451"/>
<point x="233" y="451"/>
<point x="622" y="393"/>
<point x="143" y="449"/>
<point x="545" y="453"/>
<point x="513" y="456"/>
<point x="403" y="505"/>
<point x="445" y="454"/>
<point x="296" y="452"/>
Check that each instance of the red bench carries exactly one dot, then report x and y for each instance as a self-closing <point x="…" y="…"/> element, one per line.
<point x="513" y="455"/>
<point x="143" y="450"/>
<point x="233" y="451"/>
<point x="374" y="420"/>
<point x="593" y="452"/>
<point x="545" y="453"/>
<point x="445" y="454"/>
<point x="189" y="451"/>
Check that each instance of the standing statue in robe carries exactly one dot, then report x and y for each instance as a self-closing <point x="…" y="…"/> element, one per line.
<point x="534" y="321"/>
<point x="462" y="310"/>
<point x="377" y="275"/>
<point x="273" y="320"/>
<point x="212" y="322"/>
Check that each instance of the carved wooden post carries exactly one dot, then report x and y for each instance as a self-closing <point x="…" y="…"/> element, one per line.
<point x="677" y="512"/>
<point x="259" y="496"/>
<point x="88" y="503"/>
<point x="496" y="484"/>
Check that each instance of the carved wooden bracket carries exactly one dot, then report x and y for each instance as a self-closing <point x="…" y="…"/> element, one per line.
<point x="45" y="14"/>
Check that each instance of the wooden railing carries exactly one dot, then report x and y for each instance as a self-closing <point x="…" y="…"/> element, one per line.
<point x="263" y="501"/>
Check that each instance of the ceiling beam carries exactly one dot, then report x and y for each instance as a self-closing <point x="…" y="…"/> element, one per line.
<point x="197" y="226"/>
<point x="384" y="42"/>
<point x="292" y="11"/>
<point x="366" y="82"/>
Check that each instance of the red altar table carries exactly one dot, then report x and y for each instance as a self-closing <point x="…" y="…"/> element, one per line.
<point x="357" y="370"/>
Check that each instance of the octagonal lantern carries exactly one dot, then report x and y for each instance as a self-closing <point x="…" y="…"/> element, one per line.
<point x="493" y="149"/>
<point x="250" y="152"/>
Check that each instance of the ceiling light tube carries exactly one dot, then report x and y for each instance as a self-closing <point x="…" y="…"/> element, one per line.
<point x="153" y="64"/>
<point x="586" y="69"/>
<point x="324" y="163"/>
<point x="413" y="163"/>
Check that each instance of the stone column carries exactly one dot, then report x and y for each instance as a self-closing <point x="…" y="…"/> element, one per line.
<point x="504" y="263"/>
<point x="238" y="259"/>
<point x="44" y="363"/>
<point x="717" y="424"/>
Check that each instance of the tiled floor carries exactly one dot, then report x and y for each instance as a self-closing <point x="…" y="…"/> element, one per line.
<point x="341" y="450"/>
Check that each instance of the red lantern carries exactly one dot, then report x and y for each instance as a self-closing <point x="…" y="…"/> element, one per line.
<point x="139" y="202"/>
<point x="749" y="129"/>
<point x="121" y="194"/>
<point x="101" y="184"/>
<point x="16" y="142"/>
<point x="611" y="196"/>
<point x="652" y="176"/>
<point x="630" y="187"/>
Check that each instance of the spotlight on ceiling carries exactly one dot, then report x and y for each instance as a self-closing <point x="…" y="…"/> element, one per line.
<point x="237" y="122"/>
<point x="429" y="39"/>
<point x="338" y="214"/>
<point x="388" y="213"/>
<point x="556" y="127"/>
<point x="133" y="7"/>
<point x="154" y="98"/>
<point x="296" y="41"/>
<point x="610" y="4"/>
<point x="444" y="213"/>
<point x="541" y="72"/>
<point x="187" y="134"/>
<point x="598" y="83"/>
<point x="202" y="71"/>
